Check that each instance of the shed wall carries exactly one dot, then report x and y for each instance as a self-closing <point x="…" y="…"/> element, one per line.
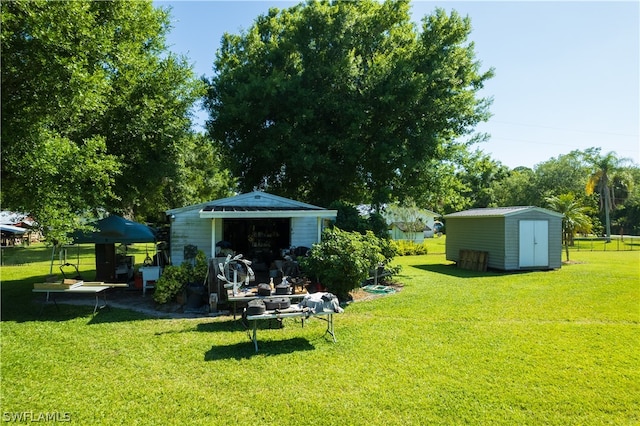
<point x="188" y="229"/>
<point x="512" y="238"/>
<point x="304" y="231"/>
<point x="397" y="234"/>
<point x="483" y="234"/>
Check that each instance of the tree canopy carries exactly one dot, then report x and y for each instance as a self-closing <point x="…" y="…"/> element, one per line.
<point x="95" y="110"/>
<point x="344" y="100"/>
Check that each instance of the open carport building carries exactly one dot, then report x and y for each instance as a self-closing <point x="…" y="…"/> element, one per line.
<point x="515" y="238"/>
<point x="257" y="224"/>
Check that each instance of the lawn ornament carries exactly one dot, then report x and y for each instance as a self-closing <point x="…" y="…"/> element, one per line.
<point x="235" y="272"/>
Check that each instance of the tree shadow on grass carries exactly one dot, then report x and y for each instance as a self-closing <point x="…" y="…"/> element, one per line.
<point x="454" y="271"/>
<point x="20" y="304"/>
<point x="246" y="350"/>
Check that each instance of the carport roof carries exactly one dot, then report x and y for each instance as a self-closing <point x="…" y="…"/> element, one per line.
<point x="256" y="212"/>
<point x="255" y="205"/>
<point x="253" y="209"/>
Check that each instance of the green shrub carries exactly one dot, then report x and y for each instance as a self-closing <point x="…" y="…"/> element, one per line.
<point x="174" y="278"/>
<point x="170" y="283"/>
<point x="342" y="260"/>
<point x="410" y="248"/>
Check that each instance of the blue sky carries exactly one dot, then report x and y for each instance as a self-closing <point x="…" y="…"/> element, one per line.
<point x="567" y="74"/>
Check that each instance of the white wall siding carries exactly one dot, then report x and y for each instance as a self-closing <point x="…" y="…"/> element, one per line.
<point x="304" y="231"/>
<point x="188" y="229"/>
<point x="201" y="226"/>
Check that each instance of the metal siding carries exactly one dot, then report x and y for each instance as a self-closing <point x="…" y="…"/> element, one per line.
<point x="483" y="234"/>
<point x="555" y="242"/>
<point x="304" y="231"/>
<point x="500" y="237"/>
<point x="513" y="239"/>
<point x="511" y="243"/>
<point x="187" y="228"/>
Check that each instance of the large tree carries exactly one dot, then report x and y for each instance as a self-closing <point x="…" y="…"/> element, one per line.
<point x="94" y="109"/>
<point x="344" y="100"/>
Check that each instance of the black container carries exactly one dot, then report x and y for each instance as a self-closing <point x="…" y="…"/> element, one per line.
<point x="264" y="290"/>
<point x="282" y="289"/>
<point x="255" y="307"/>
<point x="277" y="303"/>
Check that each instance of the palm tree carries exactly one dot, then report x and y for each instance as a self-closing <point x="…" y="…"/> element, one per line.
<point x="574" y="217"/>
<point x="607" y="170"/>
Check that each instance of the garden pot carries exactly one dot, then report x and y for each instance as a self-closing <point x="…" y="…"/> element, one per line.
<point x="137" y="281"/>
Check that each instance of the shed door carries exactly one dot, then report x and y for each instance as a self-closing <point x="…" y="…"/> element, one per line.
<point x="534" y="243"/>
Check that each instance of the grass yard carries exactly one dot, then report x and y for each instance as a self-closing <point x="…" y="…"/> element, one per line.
<point x="453" y="347"/>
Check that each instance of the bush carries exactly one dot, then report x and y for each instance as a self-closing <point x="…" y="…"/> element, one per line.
<point x="342" y="260"/>
<point x="174" y="278"/>
<point x="170" y="283"/>
<point x="410" y="248"/>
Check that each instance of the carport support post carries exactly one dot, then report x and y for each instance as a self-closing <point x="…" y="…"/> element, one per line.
<point x="213" y="237"/>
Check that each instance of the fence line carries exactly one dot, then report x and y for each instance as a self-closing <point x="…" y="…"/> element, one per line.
<point x="618" y="243"/>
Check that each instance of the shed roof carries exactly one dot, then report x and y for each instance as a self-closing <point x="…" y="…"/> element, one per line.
<point x="500" y="212"/>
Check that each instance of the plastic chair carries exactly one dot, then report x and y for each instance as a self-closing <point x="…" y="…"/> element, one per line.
<point x="149" y="273"/>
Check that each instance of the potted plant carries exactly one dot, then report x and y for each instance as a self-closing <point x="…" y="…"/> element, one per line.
<point x="170" y="283"/>
<point x="176" y="279"/>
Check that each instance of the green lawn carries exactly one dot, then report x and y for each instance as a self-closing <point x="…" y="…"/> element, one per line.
<point x="453" y="347"/>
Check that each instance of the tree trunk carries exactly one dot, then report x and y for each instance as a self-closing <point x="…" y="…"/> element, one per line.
<point x="607" y="206"/>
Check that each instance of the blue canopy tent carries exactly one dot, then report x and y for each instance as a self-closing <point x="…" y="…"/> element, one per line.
<point x="116" y="229"/>
<point x="109" y="231"/>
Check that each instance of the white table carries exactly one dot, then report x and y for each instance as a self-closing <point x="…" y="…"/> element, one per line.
<point x="95" y="290"/>
<point x="296" y="311"/>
